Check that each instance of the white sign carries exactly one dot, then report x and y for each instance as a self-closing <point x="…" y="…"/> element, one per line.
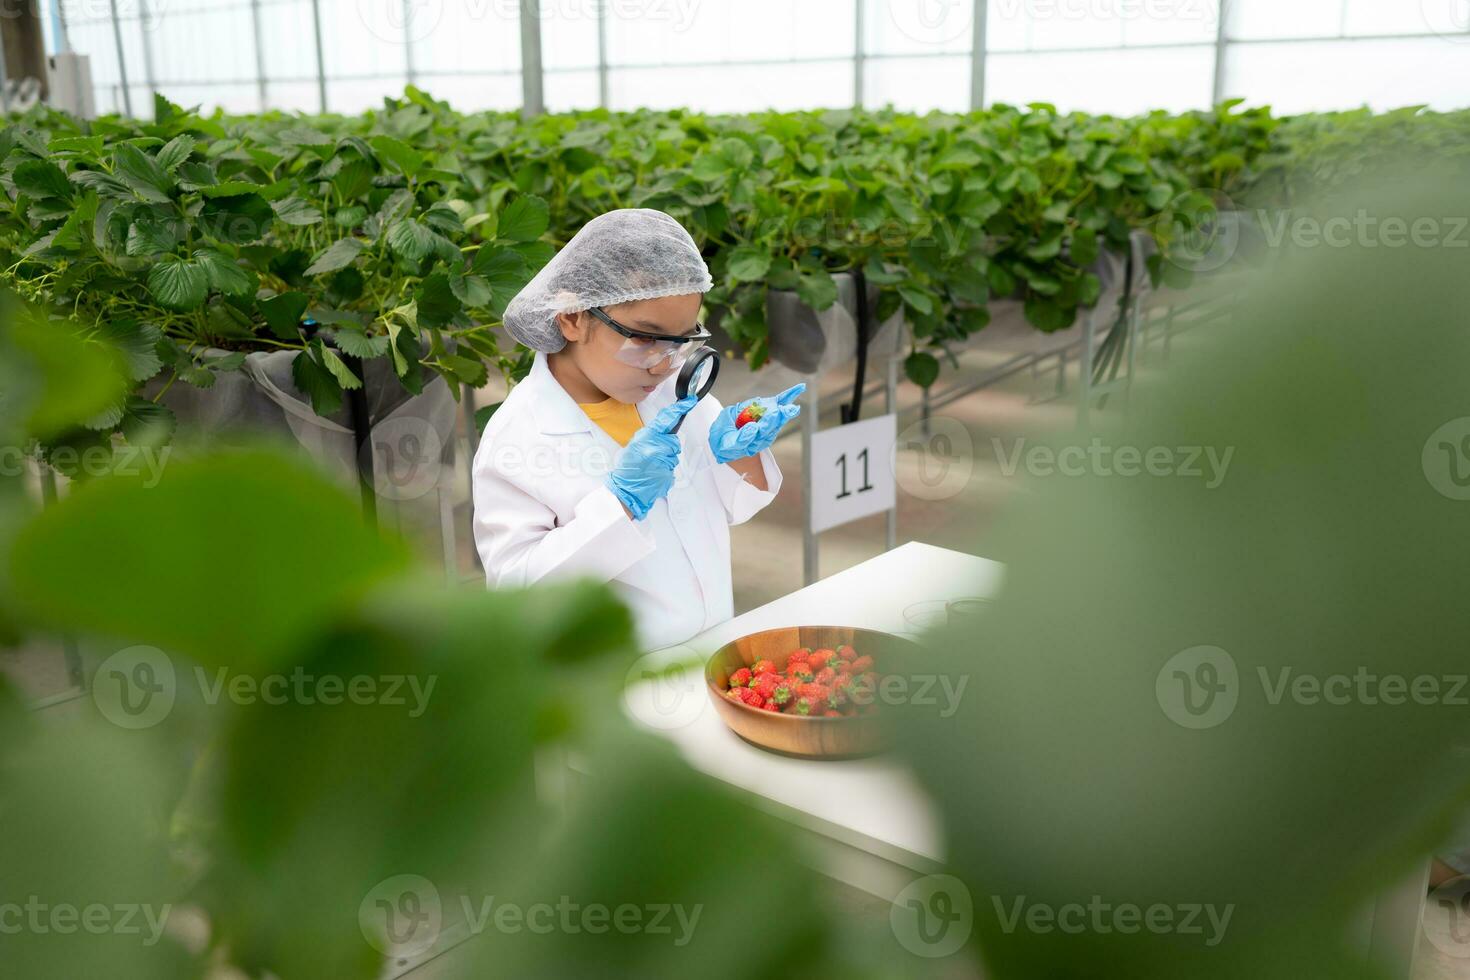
<point x="852" y="471"/>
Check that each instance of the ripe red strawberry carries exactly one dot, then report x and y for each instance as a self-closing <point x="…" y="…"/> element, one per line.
<point x="830" y="713"/>
<point x="813" y="692"/>
<point x="825" y="675"/>
<point x="837" y="698"/>
<point x="771" y="706"/>
<point x="763" y="667"/>
<point x="782" y="694"/>
<point x="765" y="684"/>
<point x="842" y="682"/>
<point x="805" y="706"/>
<point x="819" y="658"/>
<point x="798" y="656"/>
<point x="799" y="671"/>
<point x="751" y="697"/>
<point x="749" y="413"/>
<point x="862" y="664"/>
<point x="740" y="678"/>
<point x="844" y="667"/>
<point x="846" y="652"/>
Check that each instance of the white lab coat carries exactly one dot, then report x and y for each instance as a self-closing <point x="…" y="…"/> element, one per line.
<point x="543" y="511"/>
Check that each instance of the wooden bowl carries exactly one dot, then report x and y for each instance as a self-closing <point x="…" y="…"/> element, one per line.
<point x="796" y="735"/>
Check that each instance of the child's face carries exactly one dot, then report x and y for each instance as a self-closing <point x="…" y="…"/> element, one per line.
<point x="592" y="344"/>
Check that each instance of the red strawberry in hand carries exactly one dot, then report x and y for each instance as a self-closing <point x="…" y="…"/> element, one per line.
<point x="749" y="413"/>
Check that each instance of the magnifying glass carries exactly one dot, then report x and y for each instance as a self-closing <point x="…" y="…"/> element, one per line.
<point x="697" y="378"/>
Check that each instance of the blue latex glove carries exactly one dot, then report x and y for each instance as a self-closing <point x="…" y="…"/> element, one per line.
<point x="727" y="442"/>
<point x="645" y="468"/>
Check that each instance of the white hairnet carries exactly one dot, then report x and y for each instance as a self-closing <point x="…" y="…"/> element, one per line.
<point x="617" y="257"/>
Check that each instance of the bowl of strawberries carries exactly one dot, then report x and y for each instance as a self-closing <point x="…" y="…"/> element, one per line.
<point x="807" y="691"/>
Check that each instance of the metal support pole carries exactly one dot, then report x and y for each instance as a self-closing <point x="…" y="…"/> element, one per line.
<point x="978" y="44"/>
<point x="1222" y="45"/>
<point x="604" y="91"/>
<point x="890" y="405"/>
<point x="145" y="26"/>
<point x="472" y="442"/>
<point x="859" y="54"/>
<point x="408" y="71"/>
<point x="4" y="83"/>
<point x="122" y="63"/>
<point x="533" y="100"/>
<point x="259" y="55"/>
<point x="808" y="433"/>
<point x="321" y="63"/>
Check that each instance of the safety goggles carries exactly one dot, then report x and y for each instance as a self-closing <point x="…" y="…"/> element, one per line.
<point x="648" y="350"/>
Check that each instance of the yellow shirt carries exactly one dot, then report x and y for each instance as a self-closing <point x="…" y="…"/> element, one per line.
<point x="618" y="419"/>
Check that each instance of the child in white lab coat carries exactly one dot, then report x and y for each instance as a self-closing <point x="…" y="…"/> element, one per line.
<point x="577" y="472"/>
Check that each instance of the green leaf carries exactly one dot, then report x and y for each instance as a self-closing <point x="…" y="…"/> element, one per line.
<point x="142" y="173"/>
<point x="238" y="218"/>
<point x="524" y="220"/>
<point x="176" y="151"/>
<point x="1049" y="315"/>
<point x="316" y="382"/>
<point x="150" y="236"/>
<point x="408" y="238"/>
<point x="338" y="255"/>
<point x="294" y="210"/>
<point x="435" y="301"/>
<point x="283" y="314"/>
<point x="359" y="344"/>
<point x="179" y="284"/>
<point x="404" y="157"/>
<point x="137" y="343"/>
<point x="1084" y="247"/>
<point x="191" y="602"/>
<point x="504" y="270"/>
<point x="145" y="423"/>
<point x="471" y="290"/>
<point x="42" y="179"/>
<point x="225" y="274"/>
<point x="337" y="366"/>
<point x="749" y="263"/>
<point x="917" y="298"/>
<point x="817" y="290"/>
<point x="921" y="368"/>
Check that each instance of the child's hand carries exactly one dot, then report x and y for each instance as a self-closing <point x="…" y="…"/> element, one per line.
<point x="645" y="469"/>
<point x="730" y="439"/>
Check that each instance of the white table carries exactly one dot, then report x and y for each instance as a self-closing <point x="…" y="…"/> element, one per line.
<point x="874" y="827"/>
